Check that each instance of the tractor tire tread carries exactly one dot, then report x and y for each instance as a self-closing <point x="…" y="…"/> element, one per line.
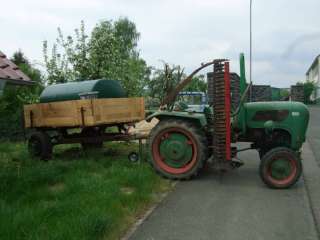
<point x="267" y="157"/>
<point x="201" y="144"/>
<point x="46" y="145"/>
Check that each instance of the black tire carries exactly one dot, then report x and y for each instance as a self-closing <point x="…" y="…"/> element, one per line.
<point x="198" y="141"/>
<point x="92" y="144"/>
<point x="262" y="152"/>
<point x="290" y="157"/>
<point x="40" y="146"/>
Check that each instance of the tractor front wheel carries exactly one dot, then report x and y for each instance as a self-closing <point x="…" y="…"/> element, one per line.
<point x="178" y="149"/>
<point x="280" y="168"/>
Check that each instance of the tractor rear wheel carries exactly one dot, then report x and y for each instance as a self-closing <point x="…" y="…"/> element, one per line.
<point x="280" y="168"/>
<point x="40" y="146"/>
<point x="178" y="149"/>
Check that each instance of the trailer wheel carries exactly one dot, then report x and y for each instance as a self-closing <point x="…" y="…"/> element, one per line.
<point x="133" y="157"/>
<point x="177" y="148"/>
<point x="40" y="146"/>
<point x="91" y="133"/>
<point x="280" y="168"/>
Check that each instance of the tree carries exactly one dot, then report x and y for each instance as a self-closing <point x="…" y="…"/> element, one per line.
<point x="308" y="88"/>
<point x="198" y="84"/>
<point x="164" y="80"/>
<point x="68" y="60"/>
<point x="110" y="53"/>
<point x="15" y="97"/>
<point x="19" y="58"/>
<point x="114" y="55"/>
<point x="25" y="95"/>
<point x="284" y="94"/>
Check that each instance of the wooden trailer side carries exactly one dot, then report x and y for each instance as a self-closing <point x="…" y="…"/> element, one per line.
<point x="118" y="110"/>
<point x="84" y="113"/>
<point x="58" y="114"/>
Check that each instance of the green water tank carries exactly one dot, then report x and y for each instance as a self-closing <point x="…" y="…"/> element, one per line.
<point x="78" y="90"/>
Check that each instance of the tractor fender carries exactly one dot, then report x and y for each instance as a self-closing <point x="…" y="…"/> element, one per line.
<point x="198" y="119"/>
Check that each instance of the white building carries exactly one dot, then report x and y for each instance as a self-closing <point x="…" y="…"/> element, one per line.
<point x="313" y="74"/>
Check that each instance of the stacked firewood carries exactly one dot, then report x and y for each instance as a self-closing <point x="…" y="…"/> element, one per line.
<point x="297" y="93"/>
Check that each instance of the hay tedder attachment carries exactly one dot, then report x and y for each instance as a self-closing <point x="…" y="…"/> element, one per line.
<point x="222" y="110"/>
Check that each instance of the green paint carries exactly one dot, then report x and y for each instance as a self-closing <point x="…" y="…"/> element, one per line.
<point x="71" y="91"/>
<point x="280" y="169"/>
<point x="176" y="150"/>
<point x="197" y="118"/>
<point x="239" y="120"/>
<point x="268" y="126"/>
<point x="295" y="124"/>
<point x="242" y="74"/>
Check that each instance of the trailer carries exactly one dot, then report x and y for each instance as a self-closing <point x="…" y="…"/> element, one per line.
<point x="98" y="111"/>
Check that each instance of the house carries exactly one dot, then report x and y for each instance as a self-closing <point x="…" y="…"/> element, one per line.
<point x="11" y="74"/>
<point x="313" y="74"/>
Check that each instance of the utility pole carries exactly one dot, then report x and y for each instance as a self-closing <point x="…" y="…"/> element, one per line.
<point x="250" y="75"/>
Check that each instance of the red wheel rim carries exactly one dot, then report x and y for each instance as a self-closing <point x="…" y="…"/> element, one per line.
<point x="288" y="179"/>
<point x="159" y="160"/>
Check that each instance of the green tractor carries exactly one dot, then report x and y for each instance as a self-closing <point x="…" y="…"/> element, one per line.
<point x="183" y="142"/>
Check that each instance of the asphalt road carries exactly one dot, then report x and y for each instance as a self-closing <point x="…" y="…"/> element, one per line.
<point x="237" y="205"/>
<point x="314" y="131"/>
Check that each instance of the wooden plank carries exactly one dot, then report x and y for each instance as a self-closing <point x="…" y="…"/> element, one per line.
<point x="118" y="110"/>
<point x="89" y="112"/>
<point x="50" y="114"/>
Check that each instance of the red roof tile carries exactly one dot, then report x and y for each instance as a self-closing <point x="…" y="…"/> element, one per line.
<point x="11" y="72"/>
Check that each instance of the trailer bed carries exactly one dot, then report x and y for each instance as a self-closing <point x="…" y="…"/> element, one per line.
<point x="84" y="113"/>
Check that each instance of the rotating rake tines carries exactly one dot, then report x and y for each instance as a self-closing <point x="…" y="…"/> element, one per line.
<point x="219" y="116"/>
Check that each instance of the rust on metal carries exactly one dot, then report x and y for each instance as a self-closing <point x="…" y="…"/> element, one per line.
<point x="31" y="118"/>
<point x="227" y="110"/>
<point x="221" y="115"/>
<point x="82" y="110"/>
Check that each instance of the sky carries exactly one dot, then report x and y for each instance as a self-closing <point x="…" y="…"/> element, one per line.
<point x="286" y="33"/>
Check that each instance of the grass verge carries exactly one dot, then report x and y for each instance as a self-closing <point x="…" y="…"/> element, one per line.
<point x="77" y="195"/>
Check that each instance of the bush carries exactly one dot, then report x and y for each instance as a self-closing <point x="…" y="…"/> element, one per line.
<point x="14" y="97"/>
<point x="308" y="88"/>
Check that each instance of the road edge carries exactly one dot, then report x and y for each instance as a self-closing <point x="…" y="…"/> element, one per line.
<point x="147" y="214"/>
<point x="311" y="176"/>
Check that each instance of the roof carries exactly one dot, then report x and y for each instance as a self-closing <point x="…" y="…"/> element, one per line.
<point x="11" y="72"/>
<point x="313" y="64"/>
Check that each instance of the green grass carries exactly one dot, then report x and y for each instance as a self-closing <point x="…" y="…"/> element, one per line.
<point x="76" y="195"/>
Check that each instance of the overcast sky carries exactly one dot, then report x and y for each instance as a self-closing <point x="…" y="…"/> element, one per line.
<point x="286" y="33"/>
